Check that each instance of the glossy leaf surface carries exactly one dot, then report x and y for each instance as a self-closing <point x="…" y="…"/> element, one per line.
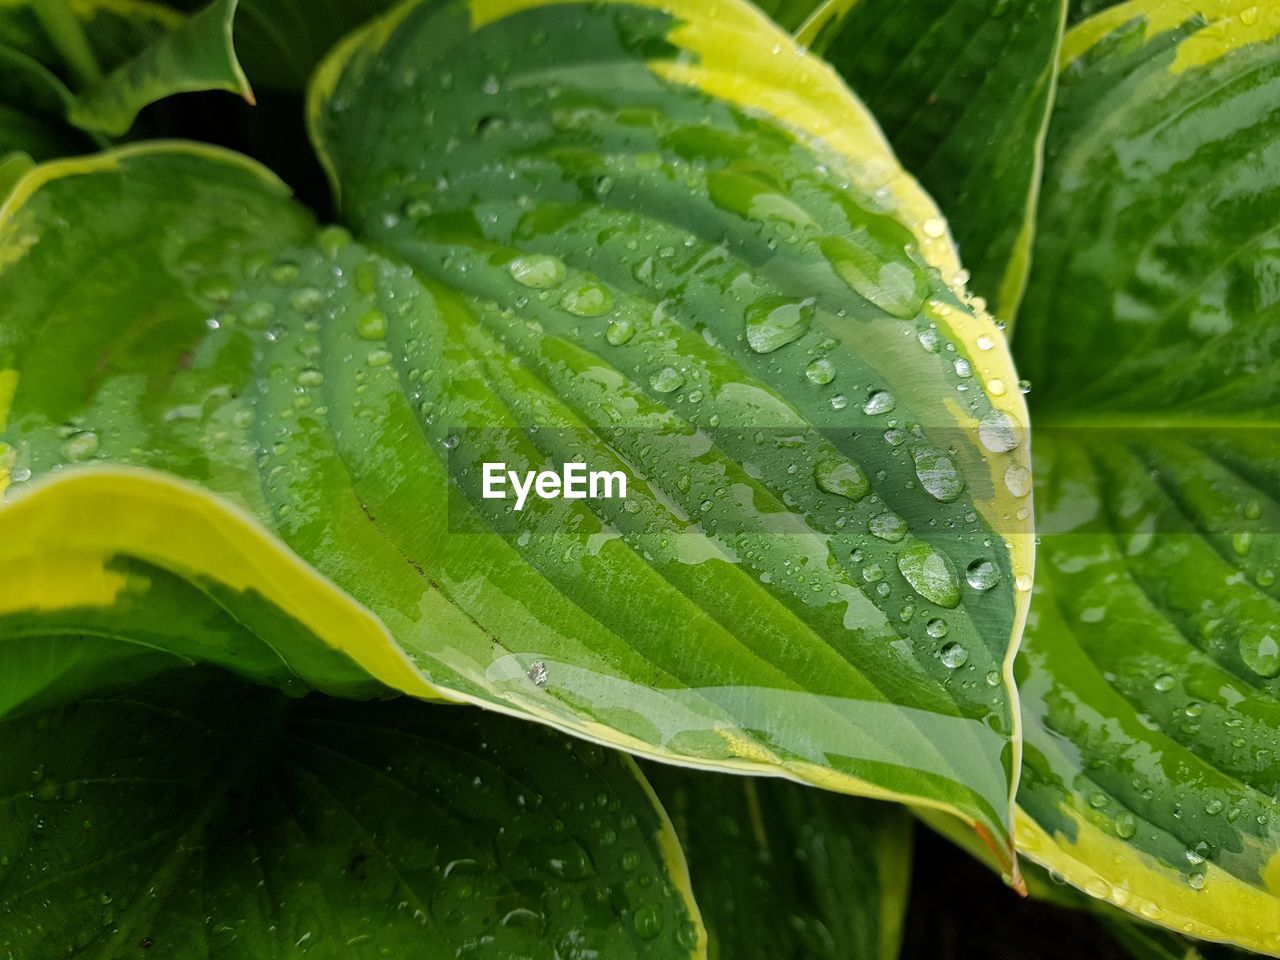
<point x="198" y="54"/>
<point x="196" y="815"/>
<point x="962" y="89"/>
<point x="589" y="251"/>
<point x="784" y="871"/>
<point x="33" y="104"/>
<point x="1150" y="673"/>
<point x="82" y="41"/>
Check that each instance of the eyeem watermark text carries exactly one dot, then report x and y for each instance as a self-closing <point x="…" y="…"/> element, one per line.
<point x="573" y="482"/>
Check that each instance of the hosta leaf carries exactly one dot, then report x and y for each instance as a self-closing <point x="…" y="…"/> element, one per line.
<point x="82" y="40"/>
<point x="1150" y="672"/>
<point x="783" y="871"/>
<point x="198" y="54"/>
<point x="616" y="263"/>
<point x="196" y="815"/>
<point x="33" y="105"/>
<point x="962" y="89"/>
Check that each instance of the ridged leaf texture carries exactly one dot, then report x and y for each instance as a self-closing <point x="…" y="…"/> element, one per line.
<point x="660" y="241"/>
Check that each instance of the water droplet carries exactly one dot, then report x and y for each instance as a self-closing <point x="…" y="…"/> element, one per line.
<point x="419" y="208"/>
<point x="310" y="377"/>
<point x="666" y="380"/>
<point x="1126" y="825"/>
<point x="821" y="371"/>
<point x="887" y="526"/>
<point x="257" y="314"/>
<point x="372" y="325"/>
<point x="284" y="272"/>
<point x="839" y="401"/>
<point x="982" y="574"/>
<point x="936" y="628"/>
<point x="998" y="432"/>
<point x="588" y="300"/>
<point x="962" y="368"/>
<point x="898" y="287"/>
<point x="539" y="271"/>
<point x="81" y="446"/>
<point x="775" y="321"/>
<point x="306" y="300"/>
<point x="1196" y="881"/>
<point x="938" y="474"/>
<point x="1164" y="682"/>
<point x="538" y="673"/>
<point x="1017" y="480"/>
<point x="332" y="240"/>
<point x="620" y="331"/>
<point x="934" y="227"/>
<point x="879" y="401"/>
<point x="930" y="574"/>
<point x="648" y="922"/>
<point x="1023" y="582"/>
<point x="953" y="656"/>
<point x="872" y="573"/>
<point x="217" y="289"/>
<point x="378" y="358"/>
<point x="1260" y="654"/>
<point x="843" y="478"/>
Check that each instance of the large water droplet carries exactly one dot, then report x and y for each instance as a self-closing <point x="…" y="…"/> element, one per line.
<point x="306" y="300"/>
<point x="930" y="574"/>
<point x="876" y="271"/>
<point x="588" y="300"/>
<point x="982" y="574"/>
<point x="372" y="325"/>
<point x="843" y="478"/>
<point x="666" y="380"/>
<point x="1017" y="480"/>
<point x="1261" y="654"/>
<point x="998" y="432"/>
<point x="888" y="526"/>
<point x="776" y="321"/>
<point x="540" y="271"/>
<point x="81" y="446"/>
<point x="648" y="922"/>
<point x="821" y="371"/>
<point x="953" y="656"/>
<point x="620" y="331"/>
<point x="938" y="474"/>
<point x="880" y="401"/>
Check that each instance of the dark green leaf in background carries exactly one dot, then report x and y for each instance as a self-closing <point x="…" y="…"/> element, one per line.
<point x="1150" y="675"/>
<point x="198" y="816"/>
<point x="784" y="871"/>
<point x="962" y="89"/>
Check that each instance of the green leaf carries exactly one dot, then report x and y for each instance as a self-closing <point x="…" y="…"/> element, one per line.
<point x="33" y="103"/>
<point x="584" y="269"/>
<point x="79" y="41"/>
<point x="962" y="89"/>
<point x="198" y="55"/>
<point x="196" y="815"/>
<point x="280" y="42"/>
<point x="784" y="871"/>
<point x="1149" y="675"/>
